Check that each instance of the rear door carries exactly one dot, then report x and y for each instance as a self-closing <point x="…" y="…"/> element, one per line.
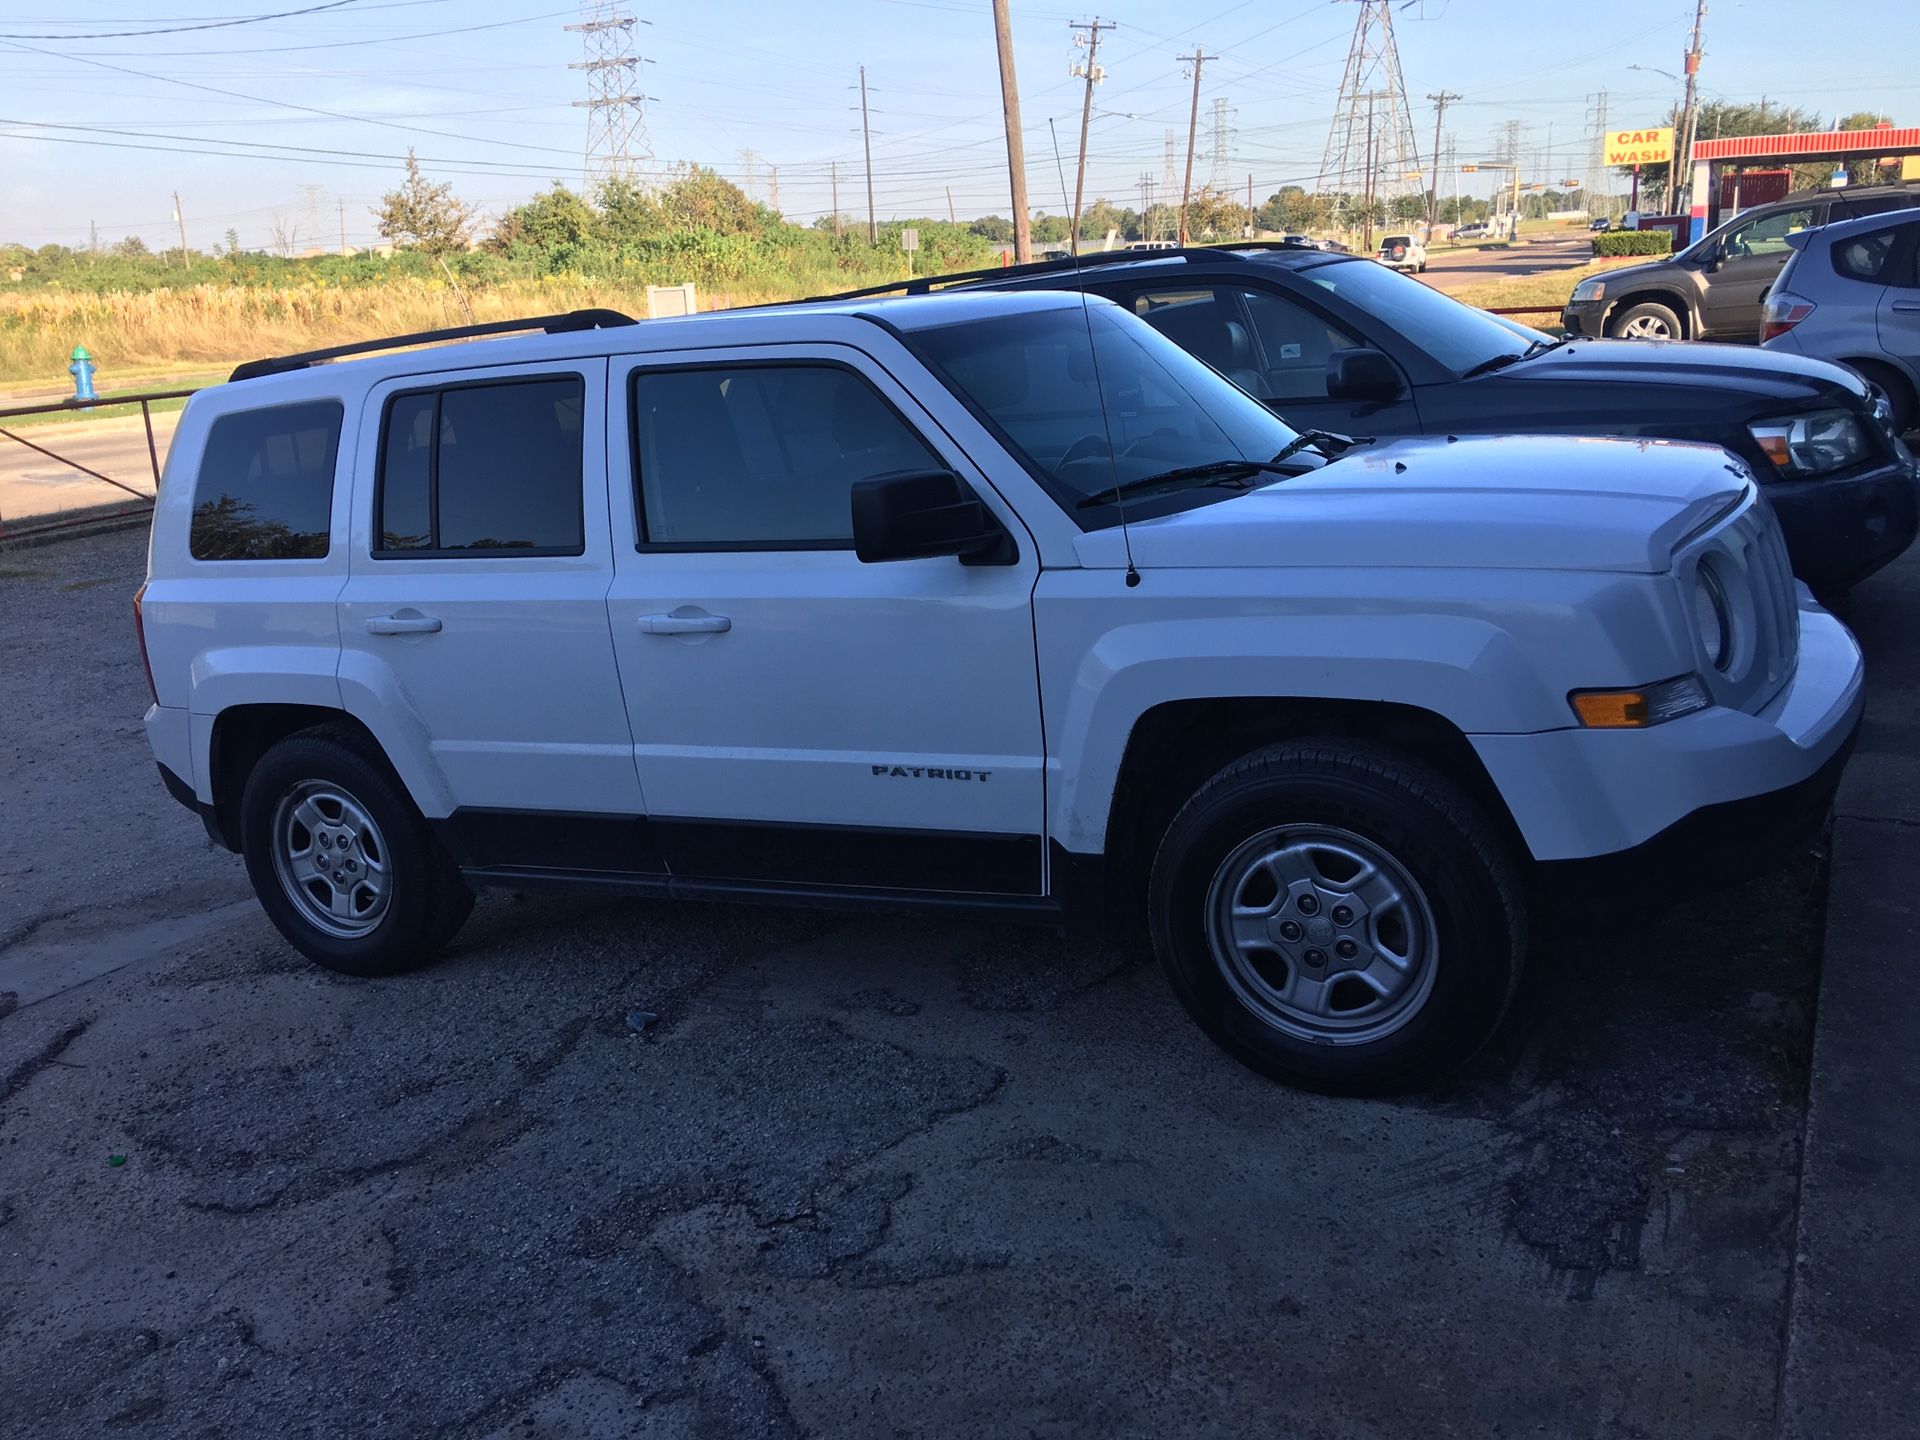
<point x="1899" y="310"/>
<point x="1753" y="255"/>
<point x="474" y="621"/>
<point x="800" y="717"/>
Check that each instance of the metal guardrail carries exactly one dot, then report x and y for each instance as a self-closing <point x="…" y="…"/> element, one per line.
<point x="144" y="400"/>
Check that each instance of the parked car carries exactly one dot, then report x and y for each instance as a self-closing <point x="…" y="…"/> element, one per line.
<point x="1340" y="344"/>
<point x="1478" y="230"/>
<point x="1713" y="290"/>
<point x="1600" y="224"/>
<point x="1403" y="252"/>
<point x="914" y="604"/>
<point x="1851" y="292"/>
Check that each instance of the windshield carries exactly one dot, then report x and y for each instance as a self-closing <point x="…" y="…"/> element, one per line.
<point x="1034" y="376"/>
<point x="1458" y="336"/>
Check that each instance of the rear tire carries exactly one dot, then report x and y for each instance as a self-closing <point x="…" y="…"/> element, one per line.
<point x="341" y="859"/>
<point x="1895" y="387"/>
<point x="1338" y="916"/>
<point x="1649" y="320"/>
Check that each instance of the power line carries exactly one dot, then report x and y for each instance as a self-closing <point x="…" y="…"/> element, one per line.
<point x="181" y="29"/>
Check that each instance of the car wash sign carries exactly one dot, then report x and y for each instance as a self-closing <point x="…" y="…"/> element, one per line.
<point x="1640" y="147"/>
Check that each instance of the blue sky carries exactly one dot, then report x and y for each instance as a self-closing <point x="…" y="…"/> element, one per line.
<point x="481" y="89"/>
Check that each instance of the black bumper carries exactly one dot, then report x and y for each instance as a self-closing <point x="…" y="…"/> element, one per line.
<point x="1838" y="532"/>
<point x="183" y="792"/>
<point x="1587" y="319"/>
<point x="1709" y="849"/>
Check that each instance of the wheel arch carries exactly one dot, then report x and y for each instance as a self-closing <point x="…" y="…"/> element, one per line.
<point x="1177" y="746"/>
<point x="241" y="734"/>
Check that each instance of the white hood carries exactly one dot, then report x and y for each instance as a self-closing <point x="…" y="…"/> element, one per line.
<point x="1508" y="502"/>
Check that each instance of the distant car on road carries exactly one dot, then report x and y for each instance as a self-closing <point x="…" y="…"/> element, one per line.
<point x="1851" y="292"/>
<point x="1478" y="230"/>
<point x="1403" y="252"/>
<point x="1599" y="224"/>
<point x="1304" y="242"/>
<point x="1713" y="289"/>
<point x="1335" y="246"/>
<point x="1339" y="344"/>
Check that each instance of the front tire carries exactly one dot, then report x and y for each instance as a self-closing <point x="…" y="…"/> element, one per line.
<point x="1338" y="916"/>
<point x="342" y="861"/>
<point x="1648" y="320"/>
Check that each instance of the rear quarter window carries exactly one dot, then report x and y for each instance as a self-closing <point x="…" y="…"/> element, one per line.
<point x="265" y="486"/>
<point x="1864" y="257"/>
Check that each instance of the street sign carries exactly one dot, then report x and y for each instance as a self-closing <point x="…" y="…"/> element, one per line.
<point x="909" y="238"/>
<point x="1640" y="147"/>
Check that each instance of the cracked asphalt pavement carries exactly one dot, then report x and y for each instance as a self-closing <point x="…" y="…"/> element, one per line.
<point x="861" y="1177"/>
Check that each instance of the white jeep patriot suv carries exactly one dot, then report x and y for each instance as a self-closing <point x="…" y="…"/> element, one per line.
<point x="997" y="603"/>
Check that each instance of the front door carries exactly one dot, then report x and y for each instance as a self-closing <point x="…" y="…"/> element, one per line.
<point x="474" y="617"/>
<point x="799" y="716"/>
<point x="1751" y="258"/>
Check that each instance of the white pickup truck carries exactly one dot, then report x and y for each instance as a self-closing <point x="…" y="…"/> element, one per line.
<point x="991" y="603"/>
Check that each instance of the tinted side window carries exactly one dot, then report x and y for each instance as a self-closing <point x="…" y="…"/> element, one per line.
<point x="265" y="488"/>
<point x="1265" y="343"/>
<point x="484" y="468"/>
<point x="1864" y="257"/>
<point x="1768" y="234"/>
<point x="761" y="455"/>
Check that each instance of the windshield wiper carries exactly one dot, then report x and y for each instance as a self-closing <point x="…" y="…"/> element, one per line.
<point x="1325" y="441"/>
<point x="1213" y="472"/>
<point x="1500" y="362"/>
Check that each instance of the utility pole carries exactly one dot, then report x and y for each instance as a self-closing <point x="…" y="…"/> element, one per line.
<point x="773" y="186"/>
<point x="181" y="222"/>
<point x="1016" y="145"/>
<point x="1085" y="33"/>
<point x="833" y="170"/>
<point x="1683" y="148"/>
<point x="1440" y="102"/>
<point x="866" y="140"/>
<point x="341" y="205"/>
<point x="950" y="217"/>
<point x="1250" y="206"/>
<point x="1198" y="60"/>
<point x="93" y="236"/>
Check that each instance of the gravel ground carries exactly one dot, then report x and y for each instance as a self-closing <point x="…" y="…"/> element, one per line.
<point x="862" y="1177"/>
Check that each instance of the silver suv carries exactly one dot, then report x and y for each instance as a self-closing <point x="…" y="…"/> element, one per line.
<point x="1713" y="289"/>
<point x="1851" y="292"/>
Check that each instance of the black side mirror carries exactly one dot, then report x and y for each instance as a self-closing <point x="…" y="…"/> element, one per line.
<point x="1361" y="375"/>
<point x="912" y="514"/>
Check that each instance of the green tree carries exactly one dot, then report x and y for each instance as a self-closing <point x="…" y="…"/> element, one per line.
<point x="996" y="228"/>
<point x="555" y="219"/>
<point x="422" y="215"/>
<point x="132" y="248"/>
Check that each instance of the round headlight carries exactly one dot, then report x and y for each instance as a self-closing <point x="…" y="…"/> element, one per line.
<point x="1711" y="618"/>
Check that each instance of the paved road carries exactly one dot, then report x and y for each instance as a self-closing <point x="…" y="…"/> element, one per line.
<point x="863" y="1177"/>
<point x="34" y="484"/>
<point x="1453" y="269"/>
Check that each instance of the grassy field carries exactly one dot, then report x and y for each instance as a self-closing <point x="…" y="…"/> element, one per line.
<point x="205" y="327"/>
<point x="1550" y="288"/>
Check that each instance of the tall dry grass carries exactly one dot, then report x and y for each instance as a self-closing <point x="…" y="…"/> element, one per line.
<point x="216" y="325"/>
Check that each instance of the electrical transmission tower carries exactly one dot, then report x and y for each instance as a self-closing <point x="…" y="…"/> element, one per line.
<point x="1146" y="203"/>
<point x="1371" y="148"/>
<point x="1167" y="173"/>
<point x="618" y="144"/>
<point x="1220" y="145"/>
<point x="1595" y="180"/>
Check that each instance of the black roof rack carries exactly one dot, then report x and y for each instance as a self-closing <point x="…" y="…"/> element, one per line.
<point x="552" y="324"/>
<point x="924" y="284"/>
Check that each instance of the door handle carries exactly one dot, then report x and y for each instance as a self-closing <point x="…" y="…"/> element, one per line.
<point x="403" y="625"/>
<point x="678" y="624"/>
<point x="1907" y="307"/>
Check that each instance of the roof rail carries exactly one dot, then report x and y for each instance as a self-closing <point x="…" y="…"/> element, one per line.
<point x="923" y="284"/>
<point x="551" y="324"/>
